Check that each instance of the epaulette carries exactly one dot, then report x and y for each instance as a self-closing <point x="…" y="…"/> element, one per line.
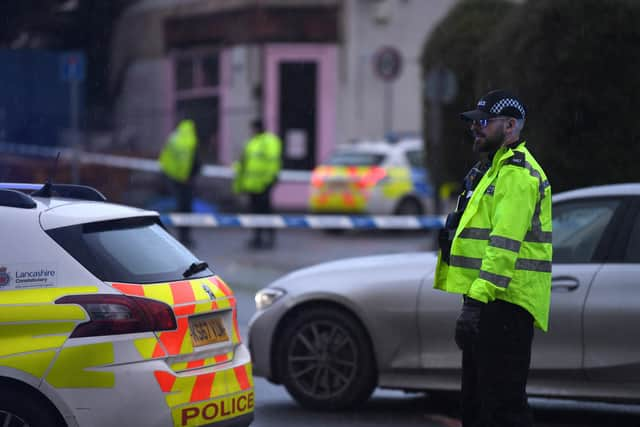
<point x="517" y="159"/>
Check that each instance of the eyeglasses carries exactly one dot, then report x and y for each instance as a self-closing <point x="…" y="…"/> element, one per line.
<point x="483" y="123"/>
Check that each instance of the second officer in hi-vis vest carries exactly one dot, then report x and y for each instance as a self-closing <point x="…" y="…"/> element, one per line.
<point x="496" y="251"/>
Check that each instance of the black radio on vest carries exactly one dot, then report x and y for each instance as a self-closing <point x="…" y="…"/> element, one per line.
<point x="446" y="234"/>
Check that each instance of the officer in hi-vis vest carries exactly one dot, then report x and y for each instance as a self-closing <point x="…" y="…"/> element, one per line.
<point x="496" y="251"/>
<point x="180" y="163"/>
<point x="256" y="174"/>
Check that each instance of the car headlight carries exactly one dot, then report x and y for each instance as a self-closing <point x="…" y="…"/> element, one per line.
<point x="266" y="297"/>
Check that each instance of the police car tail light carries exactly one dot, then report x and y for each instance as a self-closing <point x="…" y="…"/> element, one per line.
<point x="120" y="314"/>
<point x="372" y="177"/>
<point x="317" y="178"/>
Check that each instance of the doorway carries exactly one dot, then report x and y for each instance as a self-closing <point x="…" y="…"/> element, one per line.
<point x="297" y="112"/>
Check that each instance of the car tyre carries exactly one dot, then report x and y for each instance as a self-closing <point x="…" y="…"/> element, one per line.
<point x="325" y="359"/>
<point x="20" y="408"/>
<point x="408" y="206"/>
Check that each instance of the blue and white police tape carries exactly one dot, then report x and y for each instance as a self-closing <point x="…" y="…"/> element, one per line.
<point x="347" y="222"/>
<point x="133" y="163"/>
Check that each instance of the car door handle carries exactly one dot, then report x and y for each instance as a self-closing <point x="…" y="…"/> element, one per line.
<point x="564" y="283"/>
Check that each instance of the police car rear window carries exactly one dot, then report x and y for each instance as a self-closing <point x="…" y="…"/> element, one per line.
<point x="134" y="250"/>
<point x="352" y="158"/>
<point x="416" y="158"/>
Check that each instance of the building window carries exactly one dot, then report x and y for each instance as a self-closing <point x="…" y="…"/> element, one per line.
<point x="197" y="90"/>
<point x="184" y="73"/>
<point x="210" y="71"/>
<point x="197" y="71"/>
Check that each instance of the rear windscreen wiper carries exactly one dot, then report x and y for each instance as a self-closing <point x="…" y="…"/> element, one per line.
<point x="195" y="267"/>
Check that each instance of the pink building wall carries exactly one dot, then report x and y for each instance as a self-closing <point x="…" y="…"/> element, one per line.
<point x="293" y="195"/>
<point x="224" y="143"/>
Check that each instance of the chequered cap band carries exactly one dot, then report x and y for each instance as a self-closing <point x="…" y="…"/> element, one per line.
<point x="507" y="102"/>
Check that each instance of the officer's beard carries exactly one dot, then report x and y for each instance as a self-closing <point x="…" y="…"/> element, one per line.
<point x="487" y="144"/>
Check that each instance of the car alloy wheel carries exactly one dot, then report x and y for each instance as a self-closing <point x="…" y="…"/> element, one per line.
<point x="22" y="407"/>
<point x="11" y="420"/>
<point x="408" y="206"/>
<point x="326" y="359"/>
<point x="322" y="359"/>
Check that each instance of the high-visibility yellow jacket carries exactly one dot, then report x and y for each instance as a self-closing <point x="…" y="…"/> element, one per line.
<point x="178" y="155"/>
<point x="502" y="245"/>
<point x="260" y="164"/>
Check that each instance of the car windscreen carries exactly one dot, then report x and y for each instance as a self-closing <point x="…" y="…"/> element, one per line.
<point x="355" y="158"/>
<point x="132" y="250"/>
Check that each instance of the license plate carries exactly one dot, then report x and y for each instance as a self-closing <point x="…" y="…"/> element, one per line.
<point x="337" y="186"/>
<point x="207" y="330"/>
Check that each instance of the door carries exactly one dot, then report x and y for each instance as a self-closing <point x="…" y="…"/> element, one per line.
<point x="612" y="312"/>
<point x="437" y="314"/>
<point x="297" y="113"/>
<point x="580" y="229"/>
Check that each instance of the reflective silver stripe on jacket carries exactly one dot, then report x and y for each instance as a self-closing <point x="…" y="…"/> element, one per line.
<point x="538" y="236"/>
<point x="542" y="186"/>
<point x="475" y="233"/>
<point x="533" y="236"/>
<point x="533" y="265"/>
<point x="465" y="262"/>
<point x="505" y="243"/>
<point x="496" y="279"/>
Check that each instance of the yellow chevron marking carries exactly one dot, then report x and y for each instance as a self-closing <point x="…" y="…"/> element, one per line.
<point x="223" y="303"/>
<point x="40" y="295"/>
<point x="220" y="386"/>
<point x="187" y="345"/>
<point x="230" y="380"/>
<point x="43" y="312"/>
<point x="203" y="307"/>
<point x="23" y="338"/>
<point x="249" y="368"/>
<point x="145" y="346"/>
<point x="199" y="293"/>
<point x="160" y="292"/>
<point x="181" y="392"/>
<point x="70" y="368"/>
<point x="180" y="366"/>
<point x="33" y="363"/>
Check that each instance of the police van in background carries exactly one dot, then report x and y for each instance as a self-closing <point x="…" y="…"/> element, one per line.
<point x="374" y="177"/>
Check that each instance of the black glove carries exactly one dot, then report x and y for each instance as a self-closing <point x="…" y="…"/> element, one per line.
<point x="468" y="323"/>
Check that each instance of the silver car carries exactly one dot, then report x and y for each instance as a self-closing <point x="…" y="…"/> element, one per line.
<point x="333" y="332"/>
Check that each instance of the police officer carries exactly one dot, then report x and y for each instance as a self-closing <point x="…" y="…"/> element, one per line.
<point x="496" y="252"/>
<point x="180" y="163"/>
<point x="256" y="174"/>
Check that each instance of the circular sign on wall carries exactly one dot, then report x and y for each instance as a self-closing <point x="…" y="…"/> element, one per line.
<point x="387" y="63"/>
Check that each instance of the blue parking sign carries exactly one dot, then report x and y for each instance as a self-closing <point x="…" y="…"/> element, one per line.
<point x="72" y="67"/>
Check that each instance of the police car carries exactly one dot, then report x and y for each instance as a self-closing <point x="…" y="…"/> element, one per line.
<point x="373" y="178"/>
<point x="106" y="320"/>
